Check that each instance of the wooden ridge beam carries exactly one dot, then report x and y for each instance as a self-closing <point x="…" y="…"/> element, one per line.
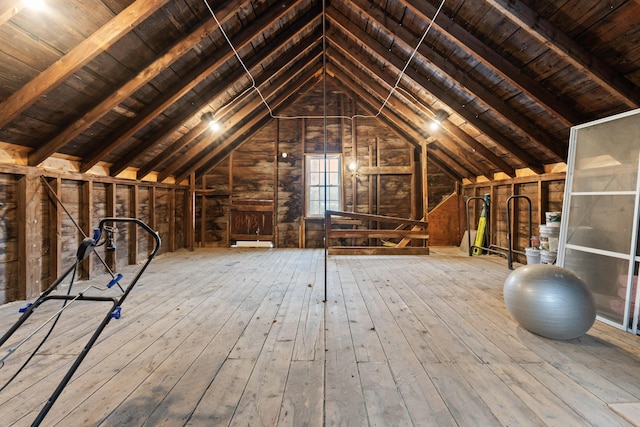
<point x="77" y="57"/>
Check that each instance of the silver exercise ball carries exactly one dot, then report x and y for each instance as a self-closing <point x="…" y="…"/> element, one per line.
<point x="550" y="301"/>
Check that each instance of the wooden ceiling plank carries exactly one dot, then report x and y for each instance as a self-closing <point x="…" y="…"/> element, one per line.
<point x="571" y="51"/>
<point x="224" y="86"/>
<point x="404" y="123"/>
<point x="308" y="75"/>
<point x="444" y="167"/>
<point x="77" y="57"/>
<point x="188" y="82"/>
<point x="497" y="63"/>
<point x="522" y="155"/>
<point x="231" y="120"/>
<point x="265" y="21"/>
<point x="448" y="168"/>
<point x="178" y="145"/>
<point x="446" y="67"/>
<point x="377" y="50"/>
<point x="11" y="9"/>
<point x="144" y="76"/>
<point x="436" y="151"/>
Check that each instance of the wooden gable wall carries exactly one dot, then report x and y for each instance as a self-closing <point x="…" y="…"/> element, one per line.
<point x="387" y="181"/>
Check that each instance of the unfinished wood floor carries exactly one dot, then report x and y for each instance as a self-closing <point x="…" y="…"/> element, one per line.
<point x="242" y="337"/>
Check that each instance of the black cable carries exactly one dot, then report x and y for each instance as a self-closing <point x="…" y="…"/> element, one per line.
<point x="46" y="337"/>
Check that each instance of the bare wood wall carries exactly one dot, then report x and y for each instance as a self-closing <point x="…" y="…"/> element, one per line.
<point x="386" y="182"/>
<point x="39" y="240"/>
<point x="546" y="193"/>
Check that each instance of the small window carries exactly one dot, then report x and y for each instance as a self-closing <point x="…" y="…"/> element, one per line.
<point x="323" y="182"/>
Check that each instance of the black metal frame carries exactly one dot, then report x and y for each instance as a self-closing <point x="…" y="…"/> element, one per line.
<point x="86" y="247"/>
<point x="498" y="250"/>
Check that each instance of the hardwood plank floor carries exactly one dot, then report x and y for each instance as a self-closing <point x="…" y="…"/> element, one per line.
<point x="244" y="337"/>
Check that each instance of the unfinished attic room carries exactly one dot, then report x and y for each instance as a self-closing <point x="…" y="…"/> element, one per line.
<point x="319" y="213"/>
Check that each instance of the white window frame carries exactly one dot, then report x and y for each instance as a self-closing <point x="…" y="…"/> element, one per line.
<point x="315" y="177"/>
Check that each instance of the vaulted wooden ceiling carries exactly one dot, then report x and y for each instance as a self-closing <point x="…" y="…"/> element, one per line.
<point x="126" y="84"/>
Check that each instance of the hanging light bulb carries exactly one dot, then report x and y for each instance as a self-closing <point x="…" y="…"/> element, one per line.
<point x="352" y="165"/>
<point x="214" y="126"/>
<point x="441" y="115"/>
<point x="210" y="121"/>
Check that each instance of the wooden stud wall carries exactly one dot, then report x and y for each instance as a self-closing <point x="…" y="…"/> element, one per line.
<point x="545" y="191"/>
<point x="39" y="240"/>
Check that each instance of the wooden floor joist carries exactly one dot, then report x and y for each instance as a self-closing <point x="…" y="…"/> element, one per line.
<point x="242" y="337"/>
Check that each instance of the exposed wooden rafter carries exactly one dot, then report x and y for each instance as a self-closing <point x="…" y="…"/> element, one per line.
<point x="578" y="56"/>
<point x="88" y="49"/>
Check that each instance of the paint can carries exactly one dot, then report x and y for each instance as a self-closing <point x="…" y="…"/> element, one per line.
<point x="553" y="218"/>
<point x="549" y="238"/>
<point x="533" y="255"/>
<point x="548" y="257"/>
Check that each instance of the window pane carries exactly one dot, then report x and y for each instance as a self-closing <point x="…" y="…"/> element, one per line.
<point x="314" y="193"/>
<point x="333" y="193"/>
<point x="334" y="178"/>
<point x="317" y="178"/>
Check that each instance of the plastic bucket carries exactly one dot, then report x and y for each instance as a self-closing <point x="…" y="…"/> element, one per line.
<point x="533" y="255"/>
<point x="553" y="218"/>
<point x="549" y="238"/>
<point x="548" y="257"/>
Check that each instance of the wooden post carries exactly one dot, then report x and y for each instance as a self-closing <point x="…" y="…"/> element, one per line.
<point x="493" y="217"/>
<point x="425" y="181"/>
<point x="354" y="150"/>
<point x="190" y="221"/>
<point x="203" y="214"/>
<point x="86" y="218"/>
<point x="110" y="256"/>
<point x="275" y="184"/>
<point x="543" y="201"/>
<point x="172" y="220"/>
<point x="133" y="228"/>
<point x="29" y="237"/>
<point x="55" y="231"/>
<point x="152" y="214"/>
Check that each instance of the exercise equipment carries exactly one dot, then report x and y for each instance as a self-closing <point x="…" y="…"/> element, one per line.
<point x="102" y="235"/>
<point x="549" y="301"/>
<point x="484" y="230"/>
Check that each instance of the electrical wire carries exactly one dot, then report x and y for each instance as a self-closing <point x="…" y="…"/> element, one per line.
<point x="255" y="88"/>
<point x="53" y="195"/>
<point x="56" y="317"/>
